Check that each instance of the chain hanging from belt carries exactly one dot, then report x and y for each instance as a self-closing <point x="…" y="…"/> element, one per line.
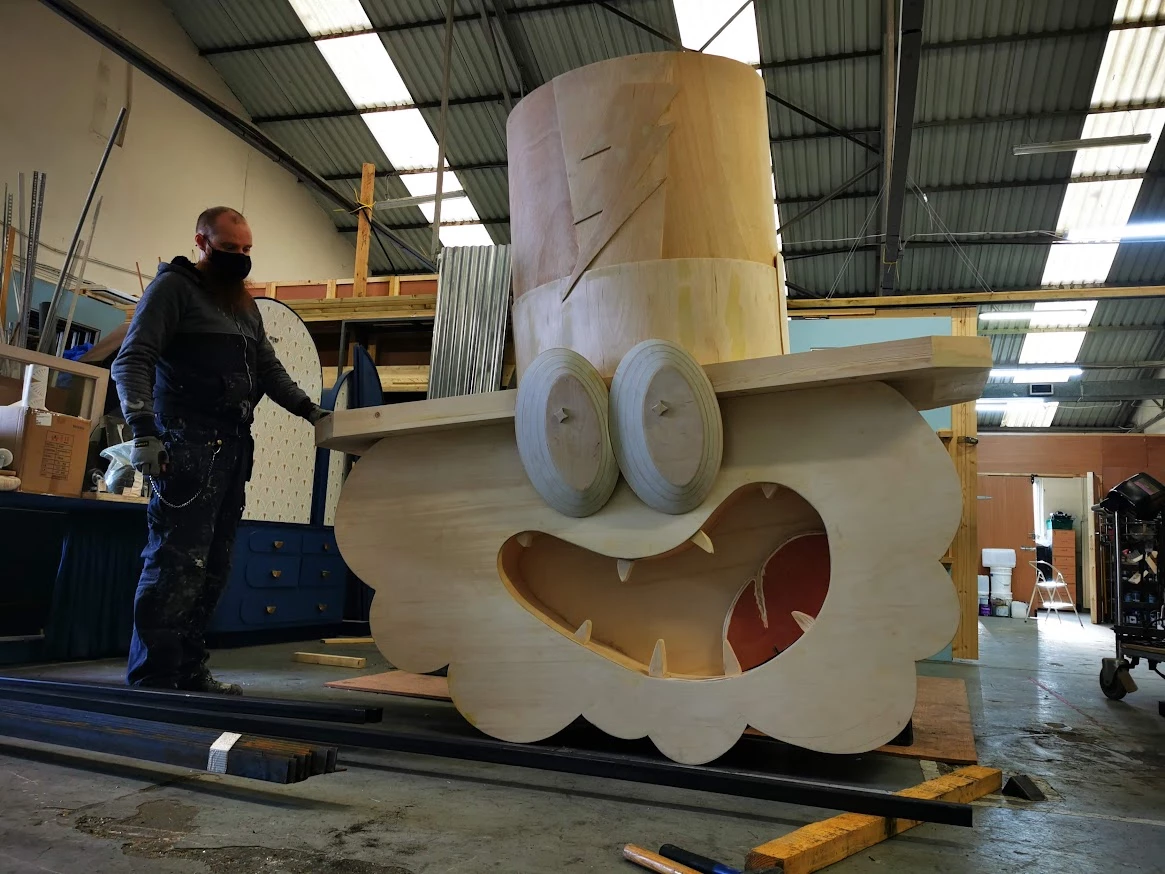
<point x="197" y="494"/>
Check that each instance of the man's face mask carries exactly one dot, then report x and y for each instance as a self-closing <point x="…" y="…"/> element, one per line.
<point x="228" y="266"/>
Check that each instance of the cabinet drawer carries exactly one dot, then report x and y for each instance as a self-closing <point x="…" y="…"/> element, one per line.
<point x="322" y="570"/>
<point x="272" y="571"/>
<point x="265" y="540"/>
<point x="301" y="607"/>
<point x="320" y="543"/>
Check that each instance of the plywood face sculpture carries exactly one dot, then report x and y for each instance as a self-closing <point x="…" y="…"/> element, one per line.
<point x="670" y="529"/>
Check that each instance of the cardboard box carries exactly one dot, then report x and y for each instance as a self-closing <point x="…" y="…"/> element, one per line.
<point x="49" y="449"/>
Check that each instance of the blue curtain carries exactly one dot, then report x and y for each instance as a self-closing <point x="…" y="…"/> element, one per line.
<point x="92" y="609"/>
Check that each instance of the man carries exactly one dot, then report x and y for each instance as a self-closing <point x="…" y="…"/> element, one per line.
<point x="194" y="364"/>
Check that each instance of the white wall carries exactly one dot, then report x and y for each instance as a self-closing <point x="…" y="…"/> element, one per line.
<point x="60" y="96"/>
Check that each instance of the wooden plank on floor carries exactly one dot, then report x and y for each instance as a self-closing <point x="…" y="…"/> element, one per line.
<point x="341" y="640"/>
<point x="398" y="683"/>
<point x="815" y="846"/>
<point x="335" y="661"/>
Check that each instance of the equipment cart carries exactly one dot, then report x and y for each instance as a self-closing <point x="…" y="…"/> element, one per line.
<point x="1131" y="524"/>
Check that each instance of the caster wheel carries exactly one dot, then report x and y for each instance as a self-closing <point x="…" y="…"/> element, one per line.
<point x="1114" y="688"/>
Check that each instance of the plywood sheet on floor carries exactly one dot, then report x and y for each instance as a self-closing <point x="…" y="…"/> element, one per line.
<point x="942" y="715"/>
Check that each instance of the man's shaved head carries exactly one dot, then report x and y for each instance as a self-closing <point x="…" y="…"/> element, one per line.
<point x="209" y="218"/>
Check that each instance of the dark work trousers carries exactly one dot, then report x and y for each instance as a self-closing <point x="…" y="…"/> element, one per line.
<point x="193" y="516"/>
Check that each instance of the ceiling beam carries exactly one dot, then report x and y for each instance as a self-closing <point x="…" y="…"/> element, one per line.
<point x="1089" y="329"/>
<point x="217" y="112"/>
<point x="353" y="111"/>
<point x="461" y="18"/>
<point x="807" y="306"/>
<point x="1084" y="390"/>
<point x="391" y="173"/>
<point x="907" y="38"/>
<point x="529" y="76"/>
<point x="973" y="42"/>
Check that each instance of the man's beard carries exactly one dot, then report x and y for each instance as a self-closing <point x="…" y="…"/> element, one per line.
<point x="231" y="296"/>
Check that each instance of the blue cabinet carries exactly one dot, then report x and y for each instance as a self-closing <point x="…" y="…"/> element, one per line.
<point x="282" y="575"/>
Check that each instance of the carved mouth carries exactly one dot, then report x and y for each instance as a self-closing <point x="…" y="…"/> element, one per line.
<point x="741" y="591"/>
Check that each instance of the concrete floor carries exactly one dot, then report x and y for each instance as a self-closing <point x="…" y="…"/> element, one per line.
<point x="1037" y="710"/>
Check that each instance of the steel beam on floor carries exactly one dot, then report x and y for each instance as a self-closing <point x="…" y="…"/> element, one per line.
<point x="315" y="710"/>
<point x="568" y="760"/>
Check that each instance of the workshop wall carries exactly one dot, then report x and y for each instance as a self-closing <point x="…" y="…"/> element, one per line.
<point x="61" y="96"/>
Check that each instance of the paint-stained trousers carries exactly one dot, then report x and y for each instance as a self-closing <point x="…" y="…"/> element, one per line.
<point x="193" y="516"/>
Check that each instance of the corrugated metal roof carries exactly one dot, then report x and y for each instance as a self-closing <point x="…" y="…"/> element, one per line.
<point x="848" y="94"/>
<point x="948" y="20"/>
<point x="982" y="152"/>
<point x="282" y="81"/>
<point x="794" y="29"/>
<point x="218" y="23"/>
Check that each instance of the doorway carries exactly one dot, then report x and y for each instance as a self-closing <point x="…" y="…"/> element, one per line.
<point x="1007" y="521"/>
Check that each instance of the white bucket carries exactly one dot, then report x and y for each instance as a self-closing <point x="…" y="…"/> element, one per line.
<point x="1002" y="610"/>
<point x="984" y="585"/>
<point x="1000" y="584"/>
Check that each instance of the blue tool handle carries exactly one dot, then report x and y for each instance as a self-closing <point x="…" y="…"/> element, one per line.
<point x="695" y="861"/>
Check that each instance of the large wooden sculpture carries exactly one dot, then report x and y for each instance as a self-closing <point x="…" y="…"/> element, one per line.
<point x="670" y="528"/>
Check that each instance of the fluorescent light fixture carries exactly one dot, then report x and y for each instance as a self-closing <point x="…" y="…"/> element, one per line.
<point x="324" y="17"/>
<point x="1029" y="415"/>
<point x="1140" y="231"/>
<point x="1019" y="315"/>
<point x="364" y="68"/>
<point x="1075" y="145"/>
<point x="988" y="403"/>
<point x="465" y="235"/>
<point x="1029" y="375"/>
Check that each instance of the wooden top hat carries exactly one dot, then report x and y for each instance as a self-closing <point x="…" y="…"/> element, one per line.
<point x="641" y="203"/>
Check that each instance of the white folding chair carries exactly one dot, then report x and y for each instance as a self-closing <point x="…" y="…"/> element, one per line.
<point x="1049" y="584"/>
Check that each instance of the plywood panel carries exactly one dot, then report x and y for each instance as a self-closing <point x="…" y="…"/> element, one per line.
<point x="1006" y="520"/>
<point x="661" y="155"/>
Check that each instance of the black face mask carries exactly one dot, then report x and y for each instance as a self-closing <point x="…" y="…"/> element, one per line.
<point x="228" y="266"/>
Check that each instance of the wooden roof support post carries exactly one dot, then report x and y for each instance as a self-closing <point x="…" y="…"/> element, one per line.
<point x="364" y="229"/>
<point x="964" y="551"/>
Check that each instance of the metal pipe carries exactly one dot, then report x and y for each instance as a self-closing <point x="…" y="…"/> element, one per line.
<point x="561" y="759"/>
<point x="446" y="59"/>
<point x="501" y="69"/>
<point x="216" y="111"/>
<point x="46" y="335"/>
<point x="75" y="286"/>
<point x="724" y="26"/>
<point x="28" y="270"/>
<point x="853" y="180"/>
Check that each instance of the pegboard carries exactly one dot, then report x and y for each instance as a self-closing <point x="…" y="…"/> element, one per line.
<point x="336" y="461"/>
<point x="280" y="489"/>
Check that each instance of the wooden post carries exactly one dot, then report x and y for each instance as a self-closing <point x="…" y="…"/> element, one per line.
<point x="6" y="279"/>
<point x="965" y="549"/>
<point x="364" y="230"/>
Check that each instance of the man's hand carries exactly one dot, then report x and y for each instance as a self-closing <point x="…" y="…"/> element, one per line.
<point x="149" y="456"/>
<point x="318" y="414"/>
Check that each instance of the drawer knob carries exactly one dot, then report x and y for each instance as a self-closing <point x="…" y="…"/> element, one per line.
<point x="276" y="574"/>
<point x="321" y="607"/>
<point x="325" y="574"/>
<point x="270" y="609"/>
<point x="278" y="544"/>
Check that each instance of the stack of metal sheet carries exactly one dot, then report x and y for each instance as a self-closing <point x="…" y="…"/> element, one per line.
<point x="473" y="304"/>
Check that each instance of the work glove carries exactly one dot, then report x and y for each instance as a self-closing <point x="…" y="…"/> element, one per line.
<point x="149" y="456"/>
<point x="318" y="414"/>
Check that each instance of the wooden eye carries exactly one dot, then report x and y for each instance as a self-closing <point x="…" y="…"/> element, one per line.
<point x="666" y="428"/>
<point x="562" y="431"/>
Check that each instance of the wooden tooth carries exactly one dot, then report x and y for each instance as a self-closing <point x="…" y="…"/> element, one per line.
<point x="583" y="635"/>
<point x="625" y="566"/>
<point x="526" y="538"/>
<point x="703" y="541"/>
<point x="731" y="662"/>
<point x="658" y="666"/>
<point x="803" y="619"/>
<point x="769" y="489"/>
